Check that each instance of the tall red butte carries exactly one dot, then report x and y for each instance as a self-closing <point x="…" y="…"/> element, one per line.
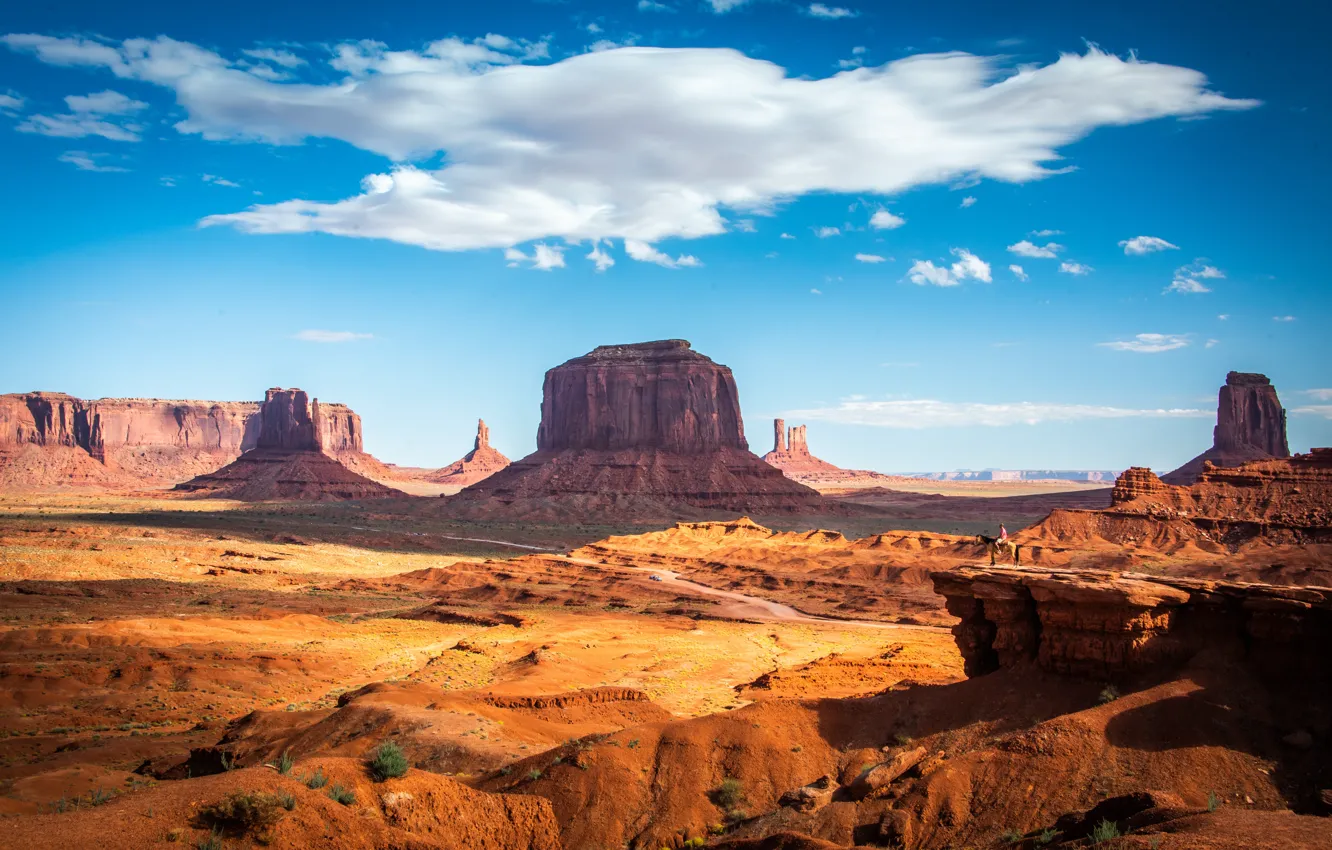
<point x="653" y="425"/>
<point x="1250" y="425"/>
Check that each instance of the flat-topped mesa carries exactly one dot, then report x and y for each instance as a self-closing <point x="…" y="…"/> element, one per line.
<point x="1250" y="425"/>
<point x="286" y="422"/>
<point x="635" y="429"/>
<point x="653" y="395"/>
<point x="480" y="463"/>
<point x="1104" y="624"/>
<point x="43" y="419"/>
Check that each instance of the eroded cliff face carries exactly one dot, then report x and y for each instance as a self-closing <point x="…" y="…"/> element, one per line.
<point x="1108" y="624"/>
<point x="43" y="419"/>
<point x="1250" y="425"/>
<point x="645" y="427"/>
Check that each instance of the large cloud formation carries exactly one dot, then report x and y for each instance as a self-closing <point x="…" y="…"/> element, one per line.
<point x="634" y="143"/>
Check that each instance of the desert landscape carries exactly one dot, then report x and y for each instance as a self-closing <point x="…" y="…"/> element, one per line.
<point x="226" y="625"/>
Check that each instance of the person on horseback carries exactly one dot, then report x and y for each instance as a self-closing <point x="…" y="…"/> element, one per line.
<point x="1003" y="533"/>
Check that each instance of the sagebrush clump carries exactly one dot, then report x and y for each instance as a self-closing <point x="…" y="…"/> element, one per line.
<point x="388" y="762"/>
<point x="246" y="811"/>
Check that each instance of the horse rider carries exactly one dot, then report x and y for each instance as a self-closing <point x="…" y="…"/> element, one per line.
<point x="1003" y="533"/>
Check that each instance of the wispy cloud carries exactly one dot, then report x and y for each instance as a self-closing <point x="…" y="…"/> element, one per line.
<point x="219" y="181"/>
<point x="1283" y="318"/>
<point x="816" y="292"/>
<point x="1149" y="343"/>
<point x="825" y="232"/>
<point x="645" y="253"/>
<point x="543" y="257"/>
<point x="1028" y="249"/>
<point x="967" y="201"/>
<point x="1017" y="272"/>
<point x="330" y="336"/>
<point x="1139" y="245"/>
<point x="1323" y="410"/>
<point x="602" y="259"/>
<point x="829" y="13"/>
<point x="1319" y="395"/>
<point x="870" y="258"/>
<point x="11" y="101"/>
<point x="1075" y="268"/>
<point x="1041" y="234"/>
<point x="1189" y="279"/>
<point x="85" y="161"/>
<point x="884" y="220"/>
<point x="931" y="413"/>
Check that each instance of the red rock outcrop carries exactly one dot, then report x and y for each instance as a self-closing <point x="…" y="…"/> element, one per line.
<point x="790" y="453"/>
<point x="1250" y="425"/>
<point x="1106" y="624"/>
<point x="289" y="461"/>
<point x="646" y="427"/>
<point x="479" y="464"/>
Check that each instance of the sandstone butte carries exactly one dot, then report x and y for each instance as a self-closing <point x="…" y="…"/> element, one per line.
<point x="1250" y="425"/>
<point x="289" y="460"/>
<point x="480" y="463"/>
<point x="651" y="426"/>
<point x="53" y="439"/>
<point x="790" y="453"/>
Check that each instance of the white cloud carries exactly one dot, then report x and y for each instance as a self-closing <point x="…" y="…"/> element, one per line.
<point x="968" y="265"/>
<point x="884" y="220"/>
<point x="929" y="413"/>
<point x="723" y="6"/>
<point x="1139" y="245"/>
<point x="11" y="101"/>
<point x="1209" y="271"/>
<point x="1212" y="343"/>
<point x="816" y="292"/>
<point x="104" y="103"/>
<point x="1224" y="316"/>
<point x="787" y="236"/>
<point x="1017" y="272"/>
<point x="1027" y="249"/>
<point x="745" y="225"/>
<point x="84" y="161"/>
<point x="78" y="125"/>
<point x="600" y="257"/>
<point x="1041" y="234"/>
<point x="645" y="253"/>
<point x="1323" y="410"/>
<point x="1283" y="318"/>
<point x="830" y="13"/>
<point x="1320" y="395"/>
<point x="648" y="6"/>
<point x="1149" y="343"/>
<point x="220" y="181"/>
<point x="662" y="139"/>
<point x="330" y="336"/>
<point x="1075" y="268"/>
<point x="167" y="181"/>
<point x="825" y="232"/>
<point x="967" y="201"/>
<point x="543" y="257"/>
<point x="1189" y="279"/>
<point x="1187" y="286"/>
<point x="870" y="258"/>
<point x="282" y="58"/>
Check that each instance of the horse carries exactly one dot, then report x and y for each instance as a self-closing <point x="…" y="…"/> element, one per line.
<point x="994" y="545"/>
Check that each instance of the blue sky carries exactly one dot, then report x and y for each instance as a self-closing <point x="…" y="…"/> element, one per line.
<point x="417" y="210"/>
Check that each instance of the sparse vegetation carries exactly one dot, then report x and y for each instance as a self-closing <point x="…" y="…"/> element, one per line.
<point x="534" y="773"/>
<point x="342" y="795"/>
<point x="1106" y="830"/>
<point x="388" y="762"/>
<point x="1010" y="836"/>
<point x="246" y="811"/>
<point x="1213" y="801"/>
<point x="315" y="781"/>
<point x="284" y="763"/>
<point x="288" y="800"/>
<point x="729" y="794"/>
<point x="98" y="796"/>
<point x="902" y="739"/>
<point x="211" y="841"/>
<point x="1108" y="694"/>
<point x="1047" y="836"/>
<point x="633" y="745"/>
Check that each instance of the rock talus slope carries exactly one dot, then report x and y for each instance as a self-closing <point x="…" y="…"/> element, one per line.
<point x="646" y="427"/>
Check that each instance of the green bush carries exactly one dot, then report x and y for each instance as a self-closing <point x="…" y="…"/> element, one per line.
<point x="345" y="796"/>
<point x="212" y="841"/>
<point x="317" y="780"/>
<point x="288" y="800"/>
<point x="729" y="793"/>
<point x="1106" y="830"/>
<point x="1213" y="801"/>
<point x="246" y="811"/>
<point x="388" y="762"/>
<point x="1108" y="694"/>
<point x="284" y="763"/>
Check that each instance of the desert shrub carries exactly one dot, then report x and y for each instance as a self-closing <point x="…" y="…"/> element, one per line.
<point x="1106" y="830"/>
<point x="388" y="762"/>
<point x="288" y="800"/>
<point x="534" y="774"/>
<point x="734" y="816"/>
<point x="211" y="841"/>
<point x="729" y="793"/>
<point x="902" y="739"/>
<point x="285" y="763"/>
<point x="633" y="745"/>
<point x="1010" y="836"/>
<point x="317" y="780"/>
<point x="1047" y="836"/>
<point x="246" y="811"/>
<point x="1213" y="801"/>
<point x="345" y="796"/>
<point x="1108" y="694"/>
<point x="98" y="796"/>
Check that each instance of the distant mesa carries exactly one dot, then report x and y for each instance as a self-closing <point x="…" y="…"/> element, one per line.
<point x="1250" y="425"/>
<point x="790" y="453"/>
<point x="479" y="464"/>
<point x="290" y="460"/>
<point x="647" y="427"/>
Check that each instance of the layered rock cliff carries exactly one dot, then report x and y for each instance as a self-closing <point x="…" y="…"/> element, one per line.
<point x="480" y="463"/>
<point x="1250" y="425"/>
<point x="291" y="460"/>
<point x="651" y="426"/>
<point x="1108" y="624"/>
